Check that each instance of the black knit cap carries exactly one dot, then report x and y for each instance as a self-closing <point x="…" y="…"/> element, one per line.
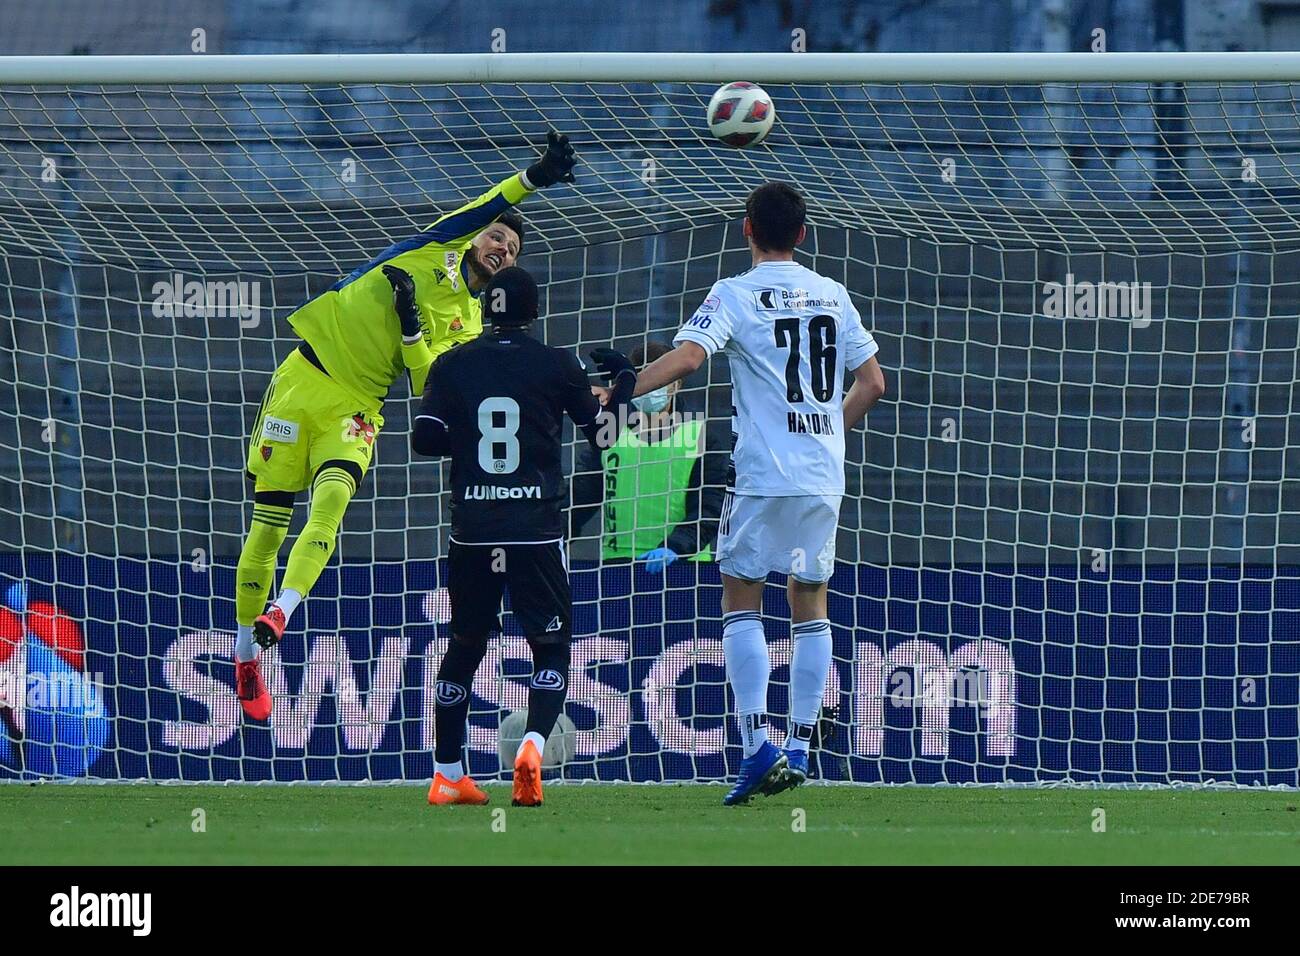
<point x="510" y="298"/>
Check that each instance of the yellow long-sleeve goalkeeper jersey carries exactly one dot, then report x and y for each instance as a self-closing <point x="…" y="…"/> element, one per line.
<point x="353" y="328"/>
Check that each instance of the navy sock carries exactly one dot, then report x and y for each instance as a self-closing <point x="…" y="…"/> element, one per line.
<point x="548" y="687"/>
<point x="455" y="678"/>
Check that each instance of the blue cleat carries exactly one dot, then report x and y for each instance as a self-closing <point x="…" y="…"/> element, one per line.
<point x="795" y="773"/>
<point x="758" y="772"/>
<point x="796" y="762"/>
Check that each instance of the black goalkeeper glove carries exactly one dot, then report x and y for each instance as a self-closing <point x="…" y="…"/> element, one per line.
<point x="556" y="164"/>
<point x="613" y="364"/>
<point x="408" y="312"/>
<point x="620" y="374"/>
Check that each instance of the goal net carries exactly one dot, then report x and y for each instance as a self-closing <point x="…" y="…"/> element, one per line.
<point x="1068" y="551"/>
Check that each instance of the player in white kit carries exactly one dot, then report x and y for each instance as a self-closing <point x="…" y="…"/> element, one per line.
<point x="790" y="335"/>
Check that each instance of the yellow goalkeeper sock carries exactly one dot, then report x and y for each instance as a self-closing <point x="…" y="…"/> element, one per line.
<point x="256" y="569"/>
<point x="330" y="494"/>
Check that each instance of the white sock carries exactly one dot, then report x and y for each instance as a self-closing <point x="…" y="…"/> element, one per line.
<point x="799" y="737"/>
<point x="810" y="665"/>
<point x="288" y="602"/>
<point x="744" y="645"/>
<point x="245" y="650"/>
<point x="452" y="771"/>
<point x="538" y="741"/>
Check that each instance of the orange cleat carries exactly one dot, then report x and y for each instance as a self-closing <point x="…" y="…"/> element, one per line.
<point x="528" y="776"/>
<point x="269" y="627"/>
<point x="251" y="689"/>
<point x="444" y="793"/>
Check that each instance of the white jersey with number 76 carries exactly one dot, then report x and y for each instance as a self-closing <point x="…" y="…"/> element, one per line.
<point x="790" y="335"/>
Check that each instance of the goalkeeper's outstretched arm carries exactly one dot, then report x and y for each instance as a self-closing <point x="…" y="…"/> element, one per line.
<point x="555" y="165"/>
<point x="476" y="219"/>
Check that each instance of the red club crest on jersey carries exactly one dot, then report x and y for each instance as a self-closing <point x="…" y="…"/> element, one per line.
<point x="362" y="428"/>
<point x="266" y="452"/>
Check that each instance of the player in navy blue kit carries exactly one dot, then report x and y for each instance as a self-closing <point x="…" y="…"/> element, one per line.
<point x="496" y="406"/>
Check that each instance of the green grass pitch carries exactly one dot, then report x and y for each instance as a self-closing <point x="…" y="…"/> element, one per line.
<point x="150" y="824"/>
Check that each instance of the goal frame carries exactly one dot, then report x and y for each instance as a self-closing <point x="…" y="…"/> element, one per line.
<point x="972" y="68"/>
<point x="597" y="67"/>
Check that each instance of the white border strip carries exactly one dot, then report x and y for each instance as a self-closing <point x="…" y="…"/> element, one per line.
<point x="990" y="68"/>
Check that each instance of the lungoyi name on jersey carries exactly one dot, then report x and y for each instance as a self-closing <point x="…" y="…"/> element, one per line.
<point x="500" y="493"/>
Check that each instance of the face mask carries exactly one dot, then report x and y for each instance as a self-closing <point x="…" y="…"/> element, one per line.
<point x="652" y="402"/>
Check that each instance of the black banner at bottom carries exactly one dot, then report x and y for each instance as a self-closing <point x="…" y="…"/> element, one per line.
<point x="239" y="906"/>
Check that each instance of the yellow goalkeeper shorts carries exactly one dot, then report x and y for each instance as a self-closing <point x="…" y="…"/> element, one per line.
<point x="306" y="420"/>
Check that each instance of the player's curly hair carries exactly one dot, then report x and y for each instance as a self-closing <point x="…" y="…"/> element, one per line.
<point x="776" y="213"/>
<point x="514" y="221"/>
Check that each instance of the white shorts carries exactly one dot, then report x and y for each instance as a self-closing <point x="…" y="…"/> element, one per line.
<point x="794" y="536"/>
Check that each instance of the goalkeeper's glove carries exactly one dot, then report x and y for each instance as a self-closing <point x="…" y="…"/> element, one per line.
<point x="408" y="312"/>
<point x="556" y="164"/>
<point x="658" y="558"/>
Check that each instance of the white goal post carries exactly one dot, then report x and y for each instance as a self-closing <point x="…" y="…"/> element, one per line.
<point x="784" y="68"/>
<point x="1070" y="551"/>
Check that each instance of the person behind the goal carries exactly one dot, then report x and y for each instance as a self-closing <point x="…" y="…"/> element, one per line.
<point x="662" y="482"/>
<point x="496" y="406"/>
<point x="790" y="334"/>
<point x="320" y="416"/>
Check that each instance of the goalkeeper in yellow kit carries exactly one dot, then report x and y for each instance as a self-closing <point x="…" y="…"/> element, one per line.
<point x="321" y="413"/>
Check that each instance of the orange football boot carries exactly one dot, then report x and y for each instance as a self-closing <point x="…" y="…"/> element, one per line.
<point x="269" y="627"/>
<point x="528" y="776"/>
<point x="444" y="793"/>
<point x="251" y="689"/>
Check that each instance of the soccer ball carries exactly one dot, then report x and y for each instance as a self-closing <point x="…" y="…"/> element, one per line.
<point x="561" y="745"/>
<point x="741" y="114"/>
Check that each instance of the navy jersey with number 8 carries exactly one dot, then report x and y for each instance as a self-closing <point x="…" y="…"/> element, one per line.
<point x="502" y="399"/>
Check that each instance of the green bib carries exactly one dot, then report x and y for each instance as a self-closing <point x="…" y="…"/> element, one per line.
<point x="645" y="490"/>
